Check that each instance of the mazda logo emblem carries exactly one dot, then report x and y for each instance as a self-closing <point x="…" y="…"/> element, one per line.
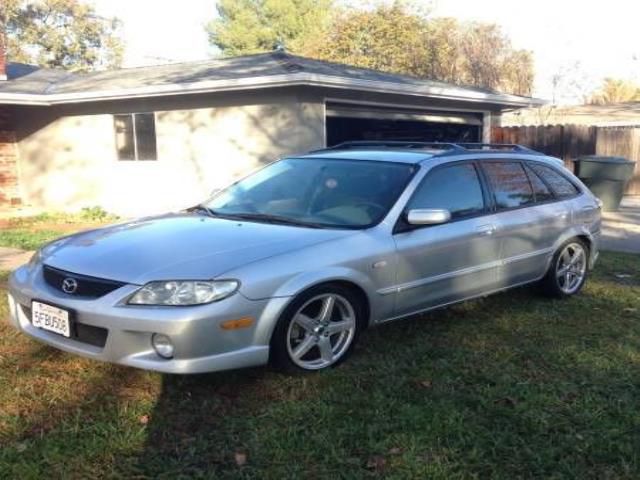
<point x="69" y="285"/>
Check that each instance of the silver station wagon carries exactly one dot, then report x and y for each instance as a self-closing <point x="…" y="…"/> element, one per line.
<point x="291" y="263"/>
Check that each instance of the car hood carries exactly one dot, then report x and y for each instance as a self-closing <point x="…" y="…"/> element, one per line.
<point x="177" y="247"/>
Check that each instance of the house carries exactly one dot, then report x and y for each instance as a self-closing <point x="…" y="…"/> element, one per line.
<point x="614" y="115"/>
<point x="144" y="140"/>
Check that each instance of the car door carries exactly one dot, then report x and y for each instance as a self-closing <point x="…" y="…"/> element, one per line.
<point x="440" y="264"/>
<point x="529" y="220"/>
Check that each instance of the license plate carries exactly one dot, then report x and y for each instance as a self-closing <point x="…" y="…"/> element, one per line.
<point x="50" y="318"/>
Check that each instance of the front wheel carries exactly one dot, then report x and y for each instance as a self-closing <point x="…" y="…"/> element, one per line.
<point x="318" y="330"/>
<point x="568" y="270"/>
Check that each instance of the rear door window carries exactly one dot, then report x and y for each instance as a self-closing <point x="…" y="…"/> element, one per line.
<point x="510" y="184"/>
<point x="455" y="188"/>
<point x="561" y="186"/>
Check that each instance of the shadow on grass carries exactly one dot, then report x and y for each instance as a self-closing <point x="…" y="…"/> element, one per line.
<point x="504" y="387"/>
<point x="509" y="386"/>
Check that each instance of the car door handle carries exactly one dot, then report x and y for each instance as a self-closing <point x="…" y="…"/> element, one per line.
<point x="486" y="229"/>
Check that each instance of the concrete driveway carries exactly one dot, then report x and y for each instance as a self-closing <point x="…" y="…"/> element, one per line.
<point x="12" y="258"/>
<point x="621" y="229"/>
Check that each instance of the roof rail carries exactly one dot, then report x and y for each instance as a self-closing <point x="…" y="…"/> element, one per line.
<point x="498" y="146"/>
<point x="450" y="147"/>
<point x="392" y="144"/>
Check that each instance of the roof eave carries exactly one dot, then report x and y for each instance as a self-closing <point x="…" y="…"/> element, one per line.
<point x="271" y="81"/>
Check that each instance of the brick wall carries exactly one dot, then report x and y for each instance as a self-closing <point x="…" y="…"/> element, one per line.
<point x="9" y="189"/>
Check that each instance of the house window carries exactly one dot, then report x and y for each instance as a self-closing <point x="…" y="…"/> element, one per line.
<point x="135" y="136"/>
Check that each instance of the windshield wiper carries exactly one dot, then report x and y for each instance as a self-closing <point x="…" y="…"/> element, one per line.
<point x="268" y="218"/>
<point x="201" y="208"/>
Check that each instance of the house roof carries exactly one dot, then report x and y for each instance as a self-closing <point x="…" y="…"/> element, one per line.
<point x="621" y="114"/>
<point x="30" y="85"/>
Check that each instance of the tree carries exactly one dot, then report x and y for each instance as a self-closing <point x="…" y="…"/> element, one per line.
<point x="490" y="61"/>
<point x="386" y="39"/>
<point x="570" y="83"/>
<point x="59" y="33"/>
<point x="614" y="90"/>
<point x="252" y="26"/>
<point x="392" y="37"/>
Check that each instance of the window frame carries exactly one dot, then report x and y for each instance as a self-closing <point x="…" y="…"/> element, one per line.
<point x="530" y="173"/>
<point x="136" y="156"/>
<point x="557" y="171"/>
<point x="401" y="225"/>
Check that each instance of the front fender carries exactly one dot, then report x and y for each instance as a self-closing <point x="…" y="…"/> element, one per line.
<point x="305" y="280"/>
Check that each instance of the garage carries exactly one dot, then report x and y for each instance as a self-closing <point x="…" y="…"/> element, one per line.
<point x="348" y="122"/>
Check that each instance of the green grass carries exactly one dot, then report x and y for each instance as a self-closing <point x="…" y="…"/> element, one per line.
<point x="29" y="233"/>
<point x="511" y="386"/>
<point x="26" y="239"/>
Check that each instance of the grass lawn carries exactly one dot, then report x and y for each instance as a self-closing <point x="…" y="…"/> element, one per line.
<point x="28" y="233"/>
<point x="512" y="386"/>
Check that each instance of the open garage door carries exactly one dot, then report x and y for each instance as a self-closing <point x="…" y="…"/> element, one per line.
<point x="345" y="122"/>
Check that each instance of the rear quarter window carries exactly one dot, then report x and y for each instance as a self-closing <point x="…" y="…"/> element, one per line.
<point x="559" y="184"/>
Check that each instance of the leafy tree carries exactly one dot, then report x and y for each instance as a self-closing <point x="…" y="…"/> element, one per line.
<point x="59" y="33"/>
<point x="252" y="26"/>
<point x="393" y="37"/>
<point x="386" y="39"/>
<point x="614" y="90"/>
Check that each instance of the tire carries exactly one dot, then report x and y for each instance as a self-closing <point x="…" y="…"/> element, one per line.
<point x="307" y="338"/>
<point x="562" y="281"/>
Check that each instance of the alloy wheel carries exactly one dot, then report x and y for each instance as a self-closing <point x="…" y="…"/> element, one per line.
<point x="321" y="331"/>
<point x="571" y="268"/>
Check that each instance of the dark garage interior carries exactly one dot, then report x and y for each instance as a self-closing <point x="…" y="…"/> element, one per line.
<point x="345" y="123"/>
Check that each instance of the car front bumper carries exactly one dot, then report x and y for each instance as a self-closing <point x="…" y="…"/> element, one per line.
<point x="107" y="329"/>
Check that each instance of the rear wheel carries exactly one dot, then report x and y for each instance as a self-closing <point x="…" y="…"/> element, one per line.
<point x="318" y="330"/>
<point x="568" y="270"/>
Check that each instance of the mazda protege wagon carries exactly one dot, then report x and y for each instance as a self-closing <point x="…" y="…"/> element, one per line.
<point x="291" y="263"/>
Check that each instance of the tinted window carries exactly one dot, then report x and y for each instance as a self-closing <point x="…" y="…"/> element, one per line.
<point x="560" y="186"/>
<point x="455" y="188"/>
<point x="510" y="184"/>
<point x="541" y="191"/>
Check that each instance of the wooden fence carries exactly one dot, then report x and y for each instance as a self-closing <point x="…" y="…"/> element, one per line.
<point x="569" y="142"/>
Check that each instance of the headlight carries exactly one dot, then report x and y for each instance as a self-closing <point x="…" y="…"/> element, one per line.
<point x="183" y="292"/>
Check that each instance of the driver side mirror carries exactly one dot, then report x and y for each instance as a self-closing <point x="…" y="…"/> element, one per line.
<point x="428" y="216"/>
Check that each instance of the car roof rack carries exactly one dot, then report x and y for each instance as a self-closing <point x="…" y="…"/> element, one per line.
<point x="392" y="144"/>
<point x="449" y="147"/>
<point x="514" y="147"/>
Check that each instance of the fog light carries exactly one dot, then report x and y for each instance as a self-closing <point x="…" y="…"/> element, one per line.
<point x="162" y="345"/>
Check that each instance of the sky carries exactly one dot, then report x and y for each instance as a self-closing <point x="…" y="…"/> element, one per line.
<point x="581" y="41"/>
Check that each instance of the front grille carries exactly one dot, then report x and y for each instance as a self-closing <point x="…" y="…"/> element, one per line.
<point x="90" y="287"/>
<point x="96" y="336"/>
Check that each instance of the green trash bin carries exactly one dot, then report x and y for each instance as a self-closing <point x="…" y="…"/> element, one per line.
<point x="606" y="177"/>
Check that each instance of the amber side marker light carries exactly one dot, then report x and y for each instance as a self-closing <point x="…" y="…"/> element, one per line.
<point x="245" y="322"/>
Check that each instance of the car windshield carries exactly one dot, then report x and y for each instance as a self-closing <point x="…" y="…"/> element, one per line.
<point x="315" y="192"/>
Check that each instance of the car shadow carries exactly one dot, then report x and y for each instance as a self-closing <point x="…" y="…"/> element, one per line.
<point x="187" y="422"/>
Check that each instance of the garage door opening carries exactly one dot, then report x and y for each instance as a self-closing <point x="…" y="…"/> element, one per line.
<point x="347" y="123"/>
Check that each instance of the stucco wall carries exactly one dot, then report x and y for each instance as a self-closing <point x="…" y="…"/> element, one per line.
<point x="68" y="156"/>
